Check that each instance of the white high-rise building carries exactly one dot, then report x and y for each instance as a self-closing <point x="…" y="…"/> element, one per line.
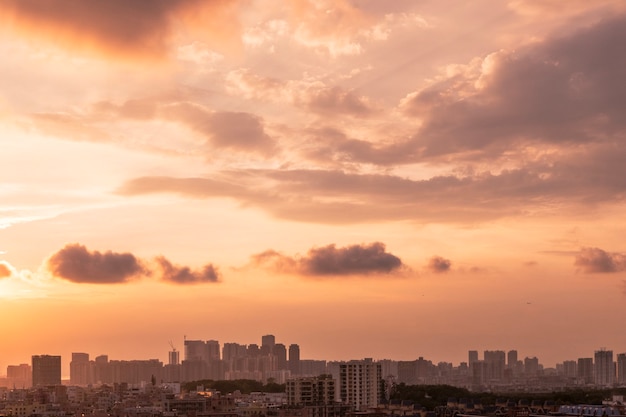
<point x="360" y="383"/>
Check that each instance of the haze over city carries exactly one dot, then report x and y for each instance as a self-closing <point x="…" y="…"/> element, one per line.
<point x="386" y="179"/>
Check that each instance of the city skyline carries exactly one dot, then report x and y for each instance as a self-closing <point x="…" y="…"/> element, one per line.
<point x="386" y="179"/>
<point x="190" y="351"/>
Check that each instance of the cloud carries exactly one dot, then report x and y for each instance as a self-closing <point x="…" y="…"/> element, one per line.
<point x="5" y="270"/>
<point x="562" y="91"/>
<point x="596" y="260"/>
<point x="176" y="274"/>
<point x="363" y="259"/>
<point x="231" y="130"/>
<point x="438" y="265"/>
<point x="120" y="27"/>
<point x="77" y="264"/>
<point x="309" y="94"/>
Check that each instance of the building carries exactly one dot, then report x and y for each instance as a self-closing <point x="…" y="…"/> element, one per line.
<point x="315" y="393"/>
<point x="360" y="383"/>
<point x="294" y="359"/>
<point x="585" y="370"/>
<point x="46" y="370"/>
<point x="81" y="369"/>
<point x="604" y="368"/>
<point x="621" y="368"/>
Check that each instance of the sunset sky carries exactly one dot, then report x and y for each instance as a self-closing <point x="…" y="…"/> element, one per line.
<point x="366" y="178"/>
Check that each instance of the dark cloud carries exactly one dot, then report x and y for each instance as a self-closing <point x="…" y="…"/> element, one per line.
<point x="592" y="260"/>
<point x="5" y="271"/>
<point x="77" y="264"/>
<point x="564" y="91"/>
<point x="438" y="264"/>
<point x="184" y="275"/>
<point x="364" y="259"/>
<point x="120" y="27"/>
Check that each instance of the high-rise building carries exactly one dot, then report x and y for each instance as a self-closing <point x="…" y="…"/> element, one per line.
<point x="604" y="368"/>
<point x="294" y="359"/>
<point x="511" y="359"/>
<point x="495" y="360"/>
<point x="81" y="369"/>
<point x="213" y="350"/>
<point x="360" y="383"/>
<point x="280" y="351"/>
<point x="621" y="368"/>
<point x="268" y="340"/>
<point x="46" y="370"/>
<point x="20" y="376"/>
<point x="173" y="357"/>
<point x="585" y="370"/>
<point x="472" y="356"/>
<point x="570" y="369"/>
<point x="531" y="366"/>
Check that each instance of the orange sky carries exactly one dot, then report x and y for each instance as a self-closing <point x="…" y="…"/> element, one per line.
<point x="363" y="178"/>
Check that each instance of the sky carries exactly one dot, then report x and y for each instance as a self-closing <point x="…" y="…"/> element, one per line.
<point x="386" y="179"/>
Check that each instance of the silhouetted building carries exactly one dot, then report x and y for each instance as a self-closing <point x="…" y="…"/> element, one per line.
<point x="46" y="370"/>
<point x="621" y="368"/>
<point x="604" y="368"/>
<point x="585" y="370"/>
<point x="20" y="376"/>
<point x="81" y="369"/>
<point x="294" y="359"/>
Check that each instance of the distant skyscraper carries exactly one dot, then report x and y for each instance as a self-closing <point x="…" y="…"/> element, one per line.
<point x="195" y="350"/>
<point x="46" y="370"/>
<point x="81" y="370"/>
<point x="268" y="340"/>
<point x="472" y="356"/>
<point x="280" y="351"/>
<point x="294" y="359"/>
<point x="267" y="344"/>
<point x="585" y="370"/>
<point x="621" y="368"/>
<point x="174" y="357"/>
<point x="495" y="360"/>
<point x="511" y="359"/>
<point x="213" y="350"/>
<point x="531" y="366"/>
<point x="20" y="376"/>
<point x="604" y="368"/>
<point x="570" y="369"/>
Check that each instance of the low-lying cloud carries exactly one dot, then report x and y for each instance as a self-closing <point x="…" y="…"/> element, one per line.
<point x="596" y="260"/>
<point x="360" y="259"/>
<point x="184" y="275"/>
<point x="77" y="264"/>
<point x="438" y="265"/>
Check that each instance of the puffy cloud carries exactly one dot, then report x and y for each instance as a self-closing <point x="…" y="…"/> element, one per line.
<point x="364" y="259"/>
<point x="77" y="264"/>
<point x="592" y="260"/>
<point x="5" y="270"/>
<point x="437" y="264"/>
<point x="564" y="90"/>
<point x="121" y="27"/>
<point x="184" y="275"/>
